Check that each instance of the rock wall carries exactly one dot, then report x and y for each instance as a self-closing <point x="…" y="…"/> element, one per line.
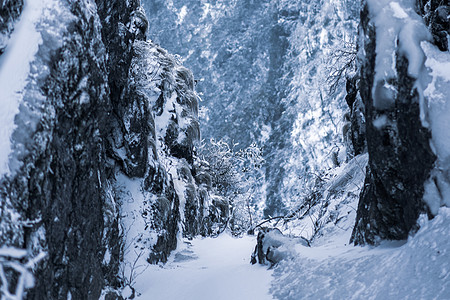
<point x="400" y="158"/>
<point x="103" y="112"/>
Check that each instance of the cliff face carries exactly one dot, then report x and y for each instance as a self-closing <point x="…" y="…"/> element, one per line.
<point x="392" y="39"/>
<point x="102" y="149"/>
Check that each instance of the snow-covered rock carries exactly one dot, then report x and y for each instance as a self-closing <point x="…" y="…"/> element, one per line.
<point x="272" y="247"/>
<point x="97" y="158"/>
<point x="397" y="123"/>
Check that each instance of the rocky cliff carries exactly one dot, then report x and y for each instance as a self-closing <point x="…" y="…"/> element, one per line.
<point x="101" y="167"/>
<point x="391" y="42"/>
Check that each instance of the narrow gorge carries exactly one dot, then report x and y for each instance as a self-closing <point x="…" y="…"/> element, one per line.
<point x="144" y="141"/>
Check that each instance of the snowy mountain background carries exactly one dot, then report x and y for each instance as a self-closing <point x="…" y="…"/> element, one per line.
<point x="291" y="129"/>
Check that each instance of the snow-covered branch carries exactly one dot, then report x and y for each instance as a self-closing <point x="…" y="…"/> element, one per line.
<point x="16" y="272"/>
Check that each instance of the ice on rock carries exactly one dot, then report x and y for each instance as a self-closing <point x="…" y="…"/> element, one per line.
<point x="399" y="30"/>
<point x="384" y="95"/>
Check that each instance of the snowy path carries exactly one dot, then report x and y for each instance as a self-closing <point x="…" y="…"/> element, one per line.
<point x="210" y="269"/>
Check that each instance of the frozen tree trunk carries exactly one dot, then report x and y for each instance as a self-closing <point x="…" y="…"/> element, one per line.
<point x="400" y="158"/>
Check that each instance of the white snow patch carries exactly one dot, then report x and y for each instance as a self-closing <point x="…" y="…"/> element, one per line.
<point x="14" y="70"/>
<point x="107" y="257"/>
<point x="398" y="10"/>
<point x="380" y="122"/>
<point x="206" y="7"/>
<point x="181" y="15"/>
<point x="162" y="121"/>
<point x="411" y="35"/>
<point x="138" y="240"/>
<point x="438" y="64"/>
<point x="180" y="188"/>
<point x="127" y="292"/>
<point x="437" y="92"/>
<point x="266" y="130"/>
<point x="207" y="268"/>
<point x="323" y="37"/>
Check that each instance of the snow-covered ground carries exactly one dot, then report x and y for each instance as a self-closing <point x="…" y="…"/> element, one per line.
<point x="219" y="268"/>
<point x="417" y="269"/>
<point x="209" y="268"/>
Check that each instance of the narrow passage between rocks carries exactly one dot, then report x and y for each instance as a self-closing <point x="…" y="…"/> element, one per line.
<point x="207" y="268"/>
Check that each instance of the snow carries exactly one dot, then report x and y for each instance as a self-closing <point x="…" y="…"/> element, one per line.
<point x="418" y="269"/>
<point x="12" y="252"/>
<point x="181" y="15"/>
<point x="335" y="211"/>
<point x="16" y="259"/>
<point x="437" y="82"/>
<point x="207" y="268"/>
<point x="396" y="23"/>
<point x="438" y="63"/>
<point x="137" y="240"/>
<point x="218" y="268"/>
<point x="398" y="10"/>
<point x="438" y="66"/>
<point x="266" y="131"/>
<point x="14" y="69"/>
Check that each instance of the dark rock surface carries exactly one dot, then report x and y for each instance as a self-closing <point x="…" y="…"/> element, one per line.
<point x="355" y="131"/>
<point x="400" y="158"/>
<point x="436" y="16"/>
<point x="70" y="198"/>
